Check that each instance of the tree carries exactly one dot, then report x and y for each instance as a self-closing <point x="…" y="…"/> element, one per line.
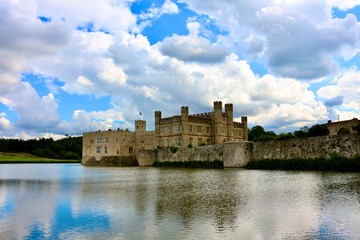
<point x="343" y="131"/>
<point x="257" y="133"/>
<point x="285" y="136"/>
<point x="318" y="130"/>
<point x="357" y="129"/>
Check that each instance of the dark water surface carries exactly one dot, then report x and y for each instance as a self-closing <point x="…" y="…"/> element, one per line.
<point x="69" y="201"/>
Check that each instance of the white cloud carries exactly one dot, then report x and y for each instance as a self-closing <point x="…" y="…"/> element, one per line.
<point x="4" y="122"/>
<point x="298" y="39"/>
<point x="155" y="12"/>
<point x="189" y="48"/>
<point x="345" y="85"/>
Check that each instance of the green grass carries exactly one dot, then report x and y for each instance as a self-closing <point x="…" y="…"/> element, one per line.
<point x="28" y="158"/>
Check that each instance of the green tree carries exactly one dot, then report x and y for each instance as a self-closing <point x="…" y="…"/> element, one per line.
<point x="285" y="136"/>
<point x="357" y="129"/>
<point x="318" y="130"/>
<point x="343" y="131"/>
<point x="257" y="133"/>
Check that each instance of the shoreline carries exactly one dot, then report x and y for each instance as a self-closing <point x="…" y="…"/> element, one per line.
<point x="23" y="158"/>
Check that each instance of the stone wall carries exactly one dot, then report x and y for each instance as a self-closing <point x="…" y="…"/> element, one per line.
<point x="307" y="148"/>
<point x="238" y="154"/>
<point x="147" y="157"/>
<point x="203" y="153"/>
<point x="122" y="161"/>
<point x="232" y="154"/>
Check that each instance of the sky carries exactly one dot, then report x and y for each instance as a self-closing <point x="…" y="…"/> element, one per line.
<point x="69" y="67"/>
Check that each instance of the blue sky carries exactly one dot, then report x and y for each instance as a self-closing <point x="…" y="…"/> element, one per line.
<point x="70" y="67"/>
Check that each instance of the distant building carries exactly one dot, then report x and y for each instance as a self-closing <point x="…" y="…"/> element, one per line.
<point x="340" y="127"/>
<point x="181" y="131"/>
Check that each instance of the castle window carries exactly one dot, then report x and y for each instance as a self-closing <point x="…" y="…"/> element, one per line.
<point x="161" y="143"/>
<point x="142" y="141"/>
<point x="199" y="129"/>
<point x="106" y="140"/>
<point x="177" y="128"/>
<point x="191" y="141"/>
<point x="98" y="140"/>
<point x="199" y="141"/>
<point x="98" y="149"/>
<point x="92" y="141"/>
<point x="190" y="128"/>
<point x="130" y="150"/>
<point x="166" y="142"/>
<point x="177" y="142"/>
<point x="105" y="149"/>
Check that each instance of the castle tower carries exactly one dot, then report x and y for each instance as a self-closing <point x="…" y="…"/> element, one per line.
<point x="140" y="127"/>
<point x="217" y="119"/>
<point x="245" y="130"/>
<point x="229" y="121"/>
<point x="157" y="128"/>
<point x="184" y="126"/>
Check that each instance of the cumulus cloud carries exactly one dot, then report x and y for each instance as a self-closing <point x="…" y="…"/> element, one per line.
<point x="344" y="87"/>
<point x="338" y="100"/>
<point x="4" y="122"/>
<point x="299" y="39"/>
<point x="188" y="48"/>
<point x="155" y="12"/>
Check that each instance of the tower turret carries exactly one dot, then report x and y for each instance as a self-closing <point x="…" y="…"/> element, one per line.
<point x="184" y="125"/>
<point x="217" y="122"/>
<point x="229" y="121"/>
<point x="157" y="127"/>
<point x="245" y="127"/>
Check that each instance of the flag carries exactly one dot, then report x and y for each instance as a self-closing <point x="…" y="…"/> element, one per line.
<point x="140" y="113"/>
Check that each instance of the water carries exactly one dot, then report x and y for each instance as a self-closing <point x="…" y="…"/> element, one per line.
<point x="69" y="201"/>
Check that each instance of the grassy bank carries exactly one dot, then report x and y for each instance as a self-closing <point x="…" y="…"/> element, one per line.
<point x="335" y="163"/>
<point x="191" y="164"/>
<point x="28" y="158"/>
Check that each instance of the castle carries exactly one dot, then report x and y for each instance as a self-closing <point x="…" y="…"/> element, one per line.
<point x="183" y="130"/>
<point x="347" y="126"/>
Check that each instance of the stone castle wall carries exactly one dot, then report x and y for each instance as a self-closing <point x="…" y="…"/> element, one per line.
<point x="238" y="154"/>
<point x="307" y="148"/>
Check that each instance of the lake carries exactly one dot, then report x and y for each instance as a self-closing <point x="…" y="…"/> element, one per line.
<point x="70" y="201"/>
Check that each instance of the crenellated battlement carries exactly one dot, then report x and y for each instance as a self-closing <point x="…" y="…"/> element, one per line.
<point x="217" y="105"/>
<point x="106" y="131"/>
<point x="202" y="115"/>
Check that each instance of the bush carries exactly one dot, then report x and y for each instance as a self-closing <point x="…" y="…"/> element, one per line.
<point x="318" y="130"/>
<point x="173" y="149"/>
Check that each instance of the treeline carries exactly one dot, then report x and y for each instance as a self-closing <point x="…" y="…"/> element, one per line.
<point x="258" y="133"/>
<point x="66" y="148"/>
